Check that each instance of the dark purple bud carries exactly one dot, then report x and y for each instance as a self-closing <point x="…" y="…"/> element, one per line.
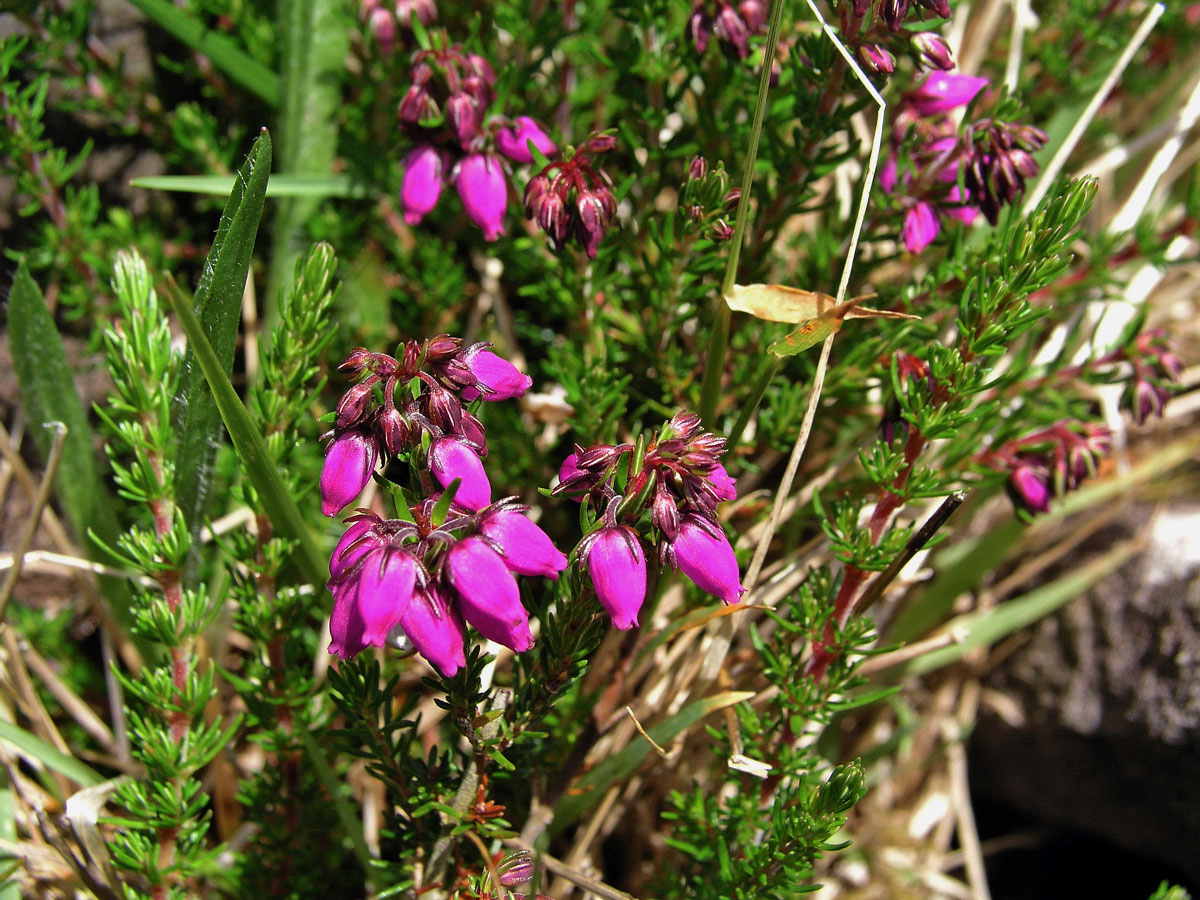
<point x="535" y="193"/>
<point x="481" y="67"/>
<point x="697" y="168"/>
<point x="472" y="429"/>
<point x="600" y="456"/>
<point x="699" y="26"/>
<point x="445" y="409"/>
<point x="601" y="143"/>
<point x="462" y="113"/>
<point x="861" y="7"/>
<point x="1025" y="164"/>
<point x="383" y="28"/>
<point x="720" y="230"/>
<point x="593" y="219"/>
<point x="933" y="51"/>
<point x="415" y="106"/>
<point x="877" y="59"/>
<point x="940" y="8"/>
<point x="355" y="403"/>
<point x="730" y="27"/>
<point x="893" y="12"/>
<point x="665" y="513"/>
<point x="552" y="218"/>
<point x="754" y="14"/>
<point x="421" y="73"/>
<point x="394" y="429"/>
<point x="357" y="359"/>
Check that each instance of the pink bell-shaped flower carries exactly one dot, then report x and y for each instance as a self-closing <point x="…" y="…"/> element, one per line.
<point x="704" y="556"/>
<point x="385" y="584"/>
<point x="723" y="486"/>
<point x="527" y="550"/>
<point x="423" y="182"/>
<point x="500" y="378"/>
<point x="484" y="191"/>
<point x="920" y="227"/>
<point x="617" y="568"/>
<point x="346" y="627"/>
<point x="435" y="629"/>
<point x="487" y="594"/>
<point x="356" y="543"/>
<point x="349" y="462"/>
<point x="450" y="458"/>
<point x="513" y="142"/>
<point x="942" y="92"/>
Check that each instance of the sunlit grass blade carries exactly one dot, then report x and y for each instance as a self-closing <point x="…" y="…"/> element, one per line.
<point x="34" y="748"/>
<point x="277" y="186"/>
<point x="225" y="54"/>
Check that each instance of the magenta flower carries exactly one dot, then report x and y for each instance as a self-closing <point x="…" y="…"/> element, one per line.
<point x="1030" y="489"/>
<point x="357" y="542"/>
<point x="617" y="567"/>
<point x="723" y="486"/>
<point x="487" y="594"/>
<point x="435" y="629"/>
<point x="484" y="191"/>
<point x="383" y="588"/>
<point x="942" y="92"/>
<point x="920" y="227"/>
<point x="513" y="142"/>
<point x="450" y="458"/>
<point x="423" y="181"/>
<point x="703" y="553"/>
<point x="349" y="462"/>
<point x="500" y="378"/>
<point x="346" y="626"/>
<point x="527" y="550"/>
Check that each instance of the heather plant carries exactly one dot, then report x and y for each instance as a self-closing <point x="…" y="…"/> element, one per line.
<point x="557" y="535"/>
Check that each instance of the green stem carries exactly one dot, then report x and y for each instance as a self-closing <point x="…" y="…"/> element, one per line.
<point x="718" y="341"/>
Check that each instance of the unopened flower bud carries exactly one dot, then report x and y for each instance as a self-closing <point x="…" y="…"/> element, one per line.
<point x="601" y="143"/>
<point x="415" y="106"/>
<point x="462" y="114"/>
<point x="877" y="59"/>
<point x="355" y="403"/>
<point x="933" y="51"/>
<point x="697" y="168"/>
<point x="394" y="429"/>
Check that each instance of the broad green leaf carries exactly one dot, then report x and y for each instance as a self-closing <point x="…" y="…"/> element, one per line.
<point x="591" y="787"/>
<point x="277" y="503"/>
<point x="986" y="628"/>
<point x="315" y="37"/>
<point x="218" y="306"/>
<point x="277" y="186"/>
<point x="34" y="748"/>
<point x="48" y="395"/>
<point x="226" y="55"/>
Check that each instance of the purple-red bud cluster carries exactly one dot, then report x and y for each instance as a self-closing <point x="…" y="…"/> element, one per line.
<point x="677" y="476"/>
<point x="571" y="198"/>
<point x="1049" y="462"/>
<point x="731" y="23"/>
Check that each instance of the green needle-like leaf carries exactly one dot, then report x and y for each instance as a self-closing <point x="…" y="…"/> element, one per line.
<point x="278" y="504"/>
<point x="277" y="186"/>
<point x="218" y="305"/>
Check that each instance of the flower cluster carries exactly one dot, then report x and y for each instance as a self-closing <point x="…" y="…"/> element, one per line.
<point x="572" y="198"/>
<point x="414" y="583"/>
<point x="1049" y="462"/>
<point x="445" y="110"/>
<point x="991" y="158"/>
<point x="1154" y="366"/>
<point x="706" y="199"/>
<point x="383" y="19"/>
<point x="677" y="478"/>
<point x="370" y="421"/>
<point x="732" y="24"/>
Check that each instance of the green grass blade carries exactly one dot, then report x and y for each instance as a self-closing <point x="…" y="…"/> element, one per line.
<point x="315" y="39"/>
<point x="277" y="503"/>
<point x="33" y="747"/>
<point x="277" y="186"/>
<point x="238" y="66"/>
<point x="218" y="305"/>
<point x="986" y="628"/>
<point x="48" y="395"/>
<point x="591" y="787"/>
